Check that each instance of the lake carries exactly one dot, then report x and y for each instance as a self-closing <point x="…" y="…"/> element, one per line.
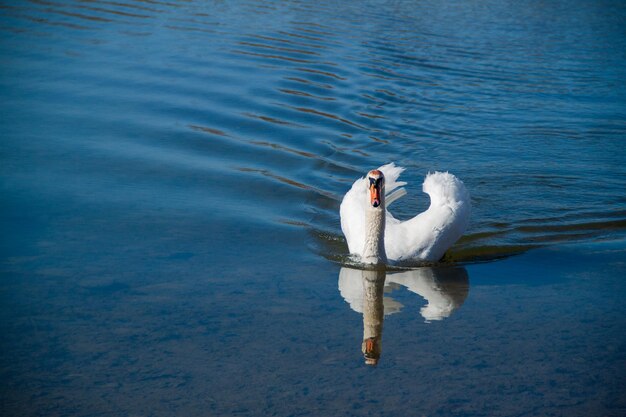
<point x="171" y="174"/>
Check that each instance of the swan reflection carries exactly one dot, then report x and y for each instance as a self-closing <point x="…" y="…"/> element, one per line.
<point x="369" y="292"/>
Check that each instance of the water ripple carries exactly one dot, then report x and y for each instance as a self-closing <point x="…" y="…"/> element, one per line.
<point x="304" y="101"/>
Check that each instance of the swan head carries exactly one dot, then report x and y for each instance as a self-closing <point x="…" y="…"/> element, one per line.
<point x="376" y="186"/>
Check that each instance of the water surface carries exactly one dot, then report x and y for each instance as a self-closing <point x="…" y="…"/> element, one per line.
<point x="171" y="174"/>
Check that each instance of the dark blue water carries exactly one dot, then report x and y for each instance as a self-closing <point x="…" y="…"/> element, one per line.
<point x="171" y="174"/>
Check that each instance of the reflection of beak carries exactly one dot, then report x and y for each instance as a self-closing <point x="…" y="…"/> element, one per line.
<point x="370" y="352"/>
<point x="375" y="195"/>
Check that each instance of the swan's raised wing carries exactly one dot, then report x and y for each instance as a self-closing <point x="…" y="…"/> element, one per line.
<point x="354" y="204"/>
<point x="352" y="213"/>
<point x="392" y="173"/>
<point x="429" y="234"/>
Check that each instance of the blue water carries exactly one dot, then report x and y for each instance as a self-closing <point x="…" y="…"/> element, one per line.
<point x="171" y="174"/>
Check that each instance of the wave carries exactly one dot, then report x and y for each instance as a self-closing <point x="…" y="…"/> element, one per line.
<point x="296" y="107"/>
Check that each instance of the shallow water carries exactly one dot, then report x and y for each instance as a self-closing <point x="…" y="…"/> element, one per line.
<point x="171" y="177"/>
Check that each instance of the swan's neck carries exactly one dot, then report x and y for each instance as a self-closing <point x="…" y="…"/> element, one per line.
<point x="374" y="250"/>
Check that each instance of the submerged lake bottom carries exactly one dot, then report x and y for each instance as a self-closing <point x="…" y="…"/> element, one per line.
<point x="102" y="332"/>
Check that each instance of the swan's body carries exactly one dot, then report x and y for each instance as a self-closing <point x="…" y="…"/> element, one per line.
<point x="377" y="237"/>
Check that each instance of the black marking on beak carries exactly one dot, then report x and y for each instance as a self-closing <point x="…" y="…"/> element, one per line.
<point x="375" y="181"/>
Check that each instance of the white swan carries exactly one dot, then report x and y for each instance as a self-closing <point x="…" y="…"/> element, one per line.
<point x="377" y="237"/>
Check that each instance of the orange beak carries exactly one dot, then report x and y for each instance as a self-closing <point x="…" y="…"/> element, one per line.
<point x="375" y="195"/>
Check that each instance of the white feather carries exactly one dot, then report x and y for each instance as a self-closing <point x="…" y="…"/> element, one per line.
<point x="397" y="194"/>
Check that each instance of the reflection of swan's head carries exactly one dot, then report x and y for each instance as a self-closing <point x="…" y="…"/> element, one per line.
<point x="373" y="315"/>
<point x="372" y="348"/>
<point x="377" y="188"/>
